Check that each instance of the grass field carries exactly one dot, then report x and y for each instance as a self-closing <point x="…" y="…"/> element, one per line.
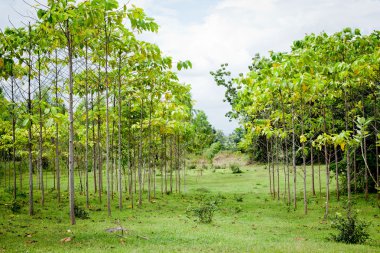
<point x="248" y="220"/>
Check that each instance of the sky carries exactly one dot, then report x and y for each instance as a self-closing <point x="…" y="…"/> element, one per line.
<point x="212" y="32"/>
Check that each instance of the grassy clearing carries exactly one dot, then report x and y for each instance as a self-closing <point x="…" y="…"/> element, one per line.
<point x="248" y="220"/>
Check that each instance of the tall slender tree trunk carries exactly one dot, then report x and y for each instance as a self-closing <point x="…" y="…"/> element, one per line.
<point x="100" y="155"/>
<point x="272" y="147"/>
<point x="303" y="159"/>
<point x="165" y="166"/>
<point x="57" y="168"/>
<point x="171" y="164"/>
<point x="119" y="155"/>
<point x="150" y="147"/>
<point x="286" y="165"/>
<point x="30" y="157"/>
<point x="376" y="140"/>
<point x="107" y="122"/>
<point x="312" y="168"/>
<point x="87" y="125"/>
<point x="94" y="143"/>
<point x="336" y="167"/>
<point x="278" y="168"/>
<point x="13" y="137"/>
<point x="140" y="153"/>
<point x="40" y="151"/>
<point x="71" y="125"/>
<point x="348" y="168"/>
<point x="294" y="159"/>
<point x="364" y="152"/>
<point x="327" y="167"/>
<point x="268" y="166"/>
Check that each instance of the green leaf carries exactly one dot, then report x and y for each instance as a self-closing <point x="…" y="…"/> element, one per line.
<point x="25" y="122"/>
<point x="41" y="13"/>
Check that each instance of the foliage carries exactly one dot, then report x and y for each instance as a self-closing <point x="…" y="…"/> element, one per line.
<point x="15" y="206"/>
<point x="235" y="169"/>
<point x="238" y="198"/>
<point x="80" y="212"/>
<point x="213" y="150"/>
<point x="351" y="229"/>
<point x="202" y="133"/>
<point x="206" y="208"/>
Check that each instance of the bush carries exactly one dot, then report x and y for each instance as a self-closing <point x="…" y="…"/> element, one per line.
<point x="205" y="210"/>
<point x="238" y="198"/>
<point x="192" y="167"/>
<point x="15" y="206"/>
<point x="351" y="230"/>
<point x="80" y="212"/>
<point x="213" y="150"/>
<point x="235" y="169"/>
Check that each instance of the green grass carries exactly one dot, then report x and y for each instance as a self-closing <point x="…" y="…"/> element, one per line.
<point x="256" y="224"/>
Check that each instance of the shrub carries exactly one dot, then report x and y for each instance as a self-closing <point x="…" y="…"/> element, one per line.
<point x="351" y="230"/>
<point x="235" y="169"/>
<point x="238" y="209"/>
<point x="80" y="212"/>
<point x="205" y="210"/>
<point x="213" y="150"/>
<point x="238" y="198"/>
<point x="15" y="206"/>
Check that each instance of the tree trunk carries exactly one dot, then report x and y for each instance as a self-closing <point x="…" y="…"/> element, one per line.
<point x="140" y="153"/>
<point x="119" y="155"/>
<point x="30" y="157"/>
<point x="107" y="123"/>
<point x="312" y="167"/>
<point x="268" y="165"/>
<point x="94" y="164"/>
<point x="294" y="159"/>
<point x="13" y="138"/>
<point x="86" y="146"/>
<point x="40" y="132"/>
<point x="347" y="152"/>
<point x="278" y="168"/>
<point x="100" y="155"/>
<point x="327" y="167"/>
<point x="57" y="168"/>
<point x="71" y="125"/>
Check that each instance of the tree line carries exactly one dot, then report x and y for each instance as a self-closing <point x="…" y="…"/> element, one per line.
<point x="83" y="98"/>
<point x="317" y="104"/>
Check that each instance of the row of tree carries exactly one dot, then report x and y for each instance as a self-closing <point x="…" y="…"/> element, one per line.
<point x="318" y="103"/>
<point x="81" y="94"/>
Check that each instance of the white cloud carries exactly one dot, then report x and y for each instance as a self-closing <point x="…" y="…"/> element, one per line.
<point x="217" y="31"/>
<point x="234" y="30"/>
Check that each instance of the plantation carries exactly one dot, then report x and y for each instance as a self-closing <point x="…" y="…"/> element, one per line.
<point x="102" y="147"/>
<point x="247" y="219"/>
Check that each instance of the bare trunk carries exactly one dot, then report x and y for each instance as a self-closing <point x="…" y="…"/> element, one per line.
<point x="13" y="138"/>
<point x="119" y="155"/>
<point x="41" y="178"/>
<point x="107" y="124"/>
<point x="327" y="167"/>
<point x="312" y="168"/>
<point x="294" y="159"/>
<point x="86" y="147"/>
<point x="268" y="166"/>
<point x="140" y="153"/>
<point x="57" y="168"/>
<point x="94" y="143"/>
<point x="348" y="168"/>
<point x="71" y="126"/>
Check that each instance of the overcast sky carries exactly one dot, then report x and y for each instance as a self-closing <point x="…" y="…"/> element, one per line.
<point x="212" y="32"/>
